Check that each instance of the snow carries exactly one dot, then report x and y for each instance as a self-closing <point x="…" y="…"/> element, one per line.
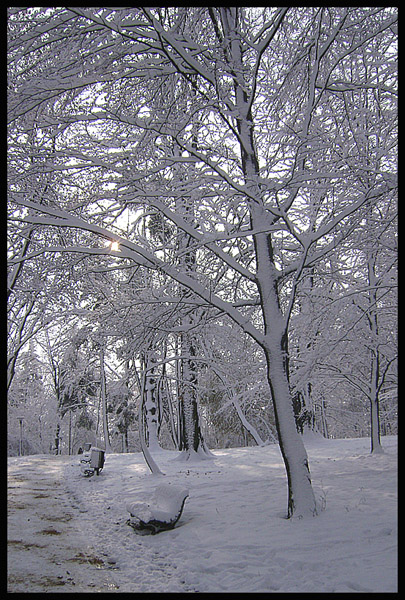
<point x="232" y="536"/>
<point x="165" y="505"/>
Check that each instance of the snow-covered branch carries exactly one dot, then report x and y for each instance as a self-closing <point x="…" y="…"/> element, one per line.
<point x="144" y="258"/>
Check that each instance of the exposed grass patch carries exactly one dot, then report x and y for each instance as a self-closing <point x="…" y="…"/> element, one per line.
<point x="19" y="478"/>
<point x="50" y="531"/>
<point x="45" y="581"/>
<point x="61" y="518"/>
<point x="24" y="545"/>
<point x="82" y="558"/>
<point x="11" y="504"/>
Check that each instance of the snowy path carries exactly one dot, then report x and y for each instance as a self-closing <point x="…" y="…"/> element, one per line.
<point x="68" y="533"/>
<point x="47" y="550"/>
<point x="54" y="541"/>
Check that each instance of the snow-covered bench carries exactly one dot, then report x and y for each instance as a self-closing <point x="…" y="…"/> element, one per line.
<point x="92" y="461"/>
<point x="161" y="514"/>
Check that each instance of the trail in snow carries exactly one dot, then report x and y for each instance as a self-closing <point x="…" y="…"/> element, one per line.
<point x="50" y="545"/>
<point x="69" y="533"/>
<point x="47" y="550"/>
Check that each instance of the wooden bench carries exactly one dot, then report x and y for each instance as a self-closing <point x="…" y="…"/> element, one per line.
<point x="161" y="514"/>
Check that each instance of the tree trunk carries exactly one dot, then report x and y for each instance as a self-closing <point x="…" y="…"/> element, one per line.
<point x="57" y="438"/>
<point x="375" y="357"/>
<point x="191" y="439"/>
<point x="70" y="434"/>
<point x="142" y="437"/>
<point x="151" y="405"/>
<point x="104" y="403"/>
<point x="304" y="410"/>
<point x="301" y="499"/>
<point x="245" y="423"/>
<point x="374" y="405"/>
<point x="322" y="419"/>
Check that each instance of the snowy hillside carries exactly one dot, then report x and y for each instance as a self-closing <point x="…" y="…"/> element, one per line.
<point x="232" y="535"/>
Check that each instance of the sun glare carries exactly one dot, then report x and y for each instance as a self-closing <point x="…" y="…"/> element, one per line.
<point x="112" y="245"/>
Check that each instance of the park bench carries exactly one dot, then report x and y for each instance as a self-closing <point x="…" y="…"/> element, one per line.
<point x="92" y="461"/>
<point x="161" y="514"/>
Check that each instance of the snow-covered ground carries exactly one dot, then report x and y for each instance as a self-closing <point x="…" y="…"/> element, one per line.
<point x="69" y="533"/>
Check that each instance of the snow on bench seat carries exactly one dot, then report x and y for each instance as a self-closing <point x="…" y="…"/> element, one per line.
<point x="162" y="513"/>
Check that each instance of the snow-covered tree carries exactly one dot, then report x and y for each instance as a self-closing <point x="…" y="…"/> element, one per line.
<point x="31" y="407"/>
<point x="279" y="176"/>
